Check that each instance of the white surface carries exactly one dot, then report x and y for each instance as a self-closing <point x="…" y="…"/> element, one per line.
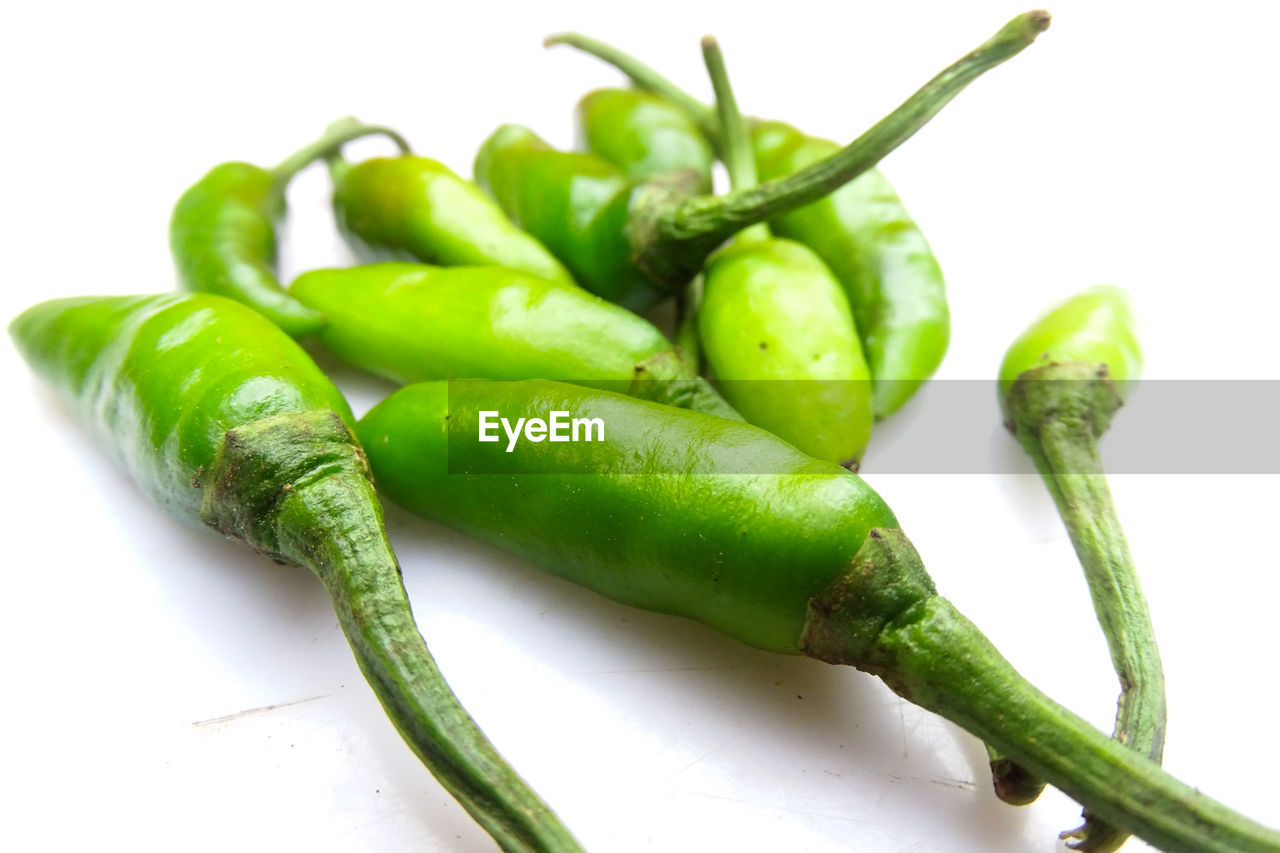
<point x="1134" y="144"/>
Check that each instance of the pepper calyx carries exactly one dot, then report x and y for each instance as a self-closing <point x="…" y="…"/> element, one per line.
<point x="883" y="582"/>
<point x="1081" y="395"/>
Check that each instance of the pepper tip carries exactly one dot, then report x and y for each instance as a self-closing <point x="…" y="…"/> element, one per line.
<point x="1038" y="21"/>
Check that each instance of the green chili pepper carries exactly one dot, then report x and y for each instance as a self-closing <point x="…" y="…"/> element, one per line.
<point x="861" y="230"/>
<point x="222" y="233"/>
<point x="634" y="242"/>
<point x="774" y="324"/>
<point x="418" y="208"/>
<point x="644" y="135"/>
<point x="410" y="322"/>
<point x="1060" y="384"/>
<point x="799" y="557"/>
<point x="223" y="420"/>
<point x="578" y="205"/>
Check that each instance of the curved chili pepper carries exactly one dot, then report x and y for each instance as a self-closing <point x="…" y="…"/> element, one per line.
<point x="861" y="230"/>
<point x="223" y="420"/>
<point x="787" y="553"/>
<point x="222" y="232"/>
<point x="634" y="242"/>
<point x="411" y="322"/>
<point x="774" y="324"/>
<point x="418" y="208"/>
<point x="1061" y="382"/>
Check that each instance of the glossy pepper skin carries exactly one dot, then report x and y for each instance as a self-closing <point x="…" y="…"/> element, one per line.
<point x="877" y="252"/>
<point x="412" y="322"/>
<point x="577" y="205"/>
<point x="418" y="208"/>
<point x="727" y="524"/>
<point x="699" y="551"/>
<point x="644" y="135"/>
<point x="1061" y="382"/>
<point x="222" y="235"/>
<point x="776" y="331"/>
<point x="224" y="421"/>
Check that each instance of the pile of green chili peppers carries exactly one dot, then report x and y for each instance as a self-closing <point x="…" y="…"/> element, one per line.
<point x="809" y="308"/>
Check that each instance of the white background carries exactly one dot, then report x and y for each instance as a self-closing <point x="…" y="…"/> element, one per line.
<point x="1134" y="144"/>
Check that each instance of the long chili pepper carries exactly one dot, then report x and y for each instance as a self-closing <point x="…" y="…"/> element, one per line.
<point x="224" y="421"/>
<point x="413" y="322"/>
<point x="733" y="527"/>
<point x="861" y="230"/>
<point x="222" y="232"/>
<point x="774" y="325"/>
<point x="1061" y="382"/>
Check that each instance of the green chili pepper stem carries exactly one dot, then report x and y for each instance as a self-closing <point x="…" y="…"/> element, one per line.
<point x="338" y="133"/>
<point x="884" y="617"/>
<point x="739" y="159"/>
<point x="673" y="236"/>
<point x="646" y="78"/>
<point x="296" y="486"/>
<point x="1058" y="413"/>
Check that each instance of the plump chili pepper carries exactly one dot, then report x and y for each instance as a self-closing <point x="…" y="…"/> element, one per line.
<point x="741" y="531"/>
<point x="861" y="230"/>
<point x="1060" y="384"/>
<point x="775" y="326"/>
<point x="222" y="232"/>
<point x="634" y="242"/>
<point x="412" y="322"/>
<point x="645" y="135"/>
<point x="223" y="420"/>
<point x="414" y="207"/>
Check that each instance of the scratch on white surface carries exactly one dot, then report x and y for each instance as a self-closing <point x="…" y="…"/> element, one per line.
<point x="226" y="718"/>
<point x="959" y="784"/>
<point x="697" y="760"/>
<point x="775" y="807"/>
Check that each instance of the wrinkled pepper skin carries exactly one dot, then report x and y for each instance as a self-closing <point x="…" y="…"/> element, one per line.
<point x="222" y="236"/>
<point x="890" y="276"/>
<point x="417" y="208"/>
<point x="777" y="333"/>
<point x="672" y="542"/>
<point x="1095" y="326"/>
<point x="644" y="135"/>
<point x="224" y="421"/>
<point x="577" y="205"/>
<point x="412" y="322"/>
